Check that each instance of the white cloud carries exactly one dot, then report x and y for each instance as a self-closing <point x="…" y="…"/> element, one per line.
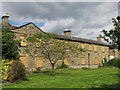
<point x="106" y="7"/>
<point x="61" y="1"/>
<point x="0" y="7"/>
<point x="57" y="24"/>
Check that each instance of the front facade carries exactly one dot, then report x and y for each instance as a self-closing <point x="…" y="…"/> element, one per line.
<point x="96" y="51"/>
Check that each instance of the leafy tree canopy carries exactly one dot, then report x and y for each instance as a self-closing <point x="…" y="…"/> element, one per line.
<point x="112" y="36"/>
<point x="9" y="45"/>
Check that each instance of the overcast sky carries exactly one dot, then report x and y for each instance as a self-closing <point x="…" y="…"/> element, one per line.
<point x="84" y="19"/>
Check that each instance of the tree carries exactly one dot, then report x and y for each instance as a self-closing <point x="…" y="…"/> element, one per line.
<point x="113" y="35"/>
<point x="49" y="47"/>
<point x="9" y="45"/>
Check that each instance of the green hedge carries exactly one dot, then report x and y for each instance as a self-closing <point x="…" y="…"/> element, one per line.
<point x="62" y="66"/>
<point x="114" y="62"/>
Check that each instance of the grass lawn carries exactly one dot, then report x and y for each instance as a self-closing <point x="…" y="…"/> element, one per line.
<point x="70" y="78"/>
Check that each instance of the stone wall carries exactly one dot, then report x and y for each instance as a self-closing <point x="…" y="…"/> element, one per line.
<point x="90" y="55"/>
<point x="113" y="53"/>
<point x="74" y="60"/>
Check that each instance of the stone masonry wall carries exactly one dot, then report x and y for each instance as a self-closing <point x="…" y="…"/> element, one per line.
<point x="74" y="60"/>
<point x="114" y="52"/>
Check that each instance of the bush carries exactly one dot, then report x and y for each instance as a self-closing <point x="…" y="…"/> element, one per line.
<point x="4" y="68"/>
<point x="62" y="66"/>
<point x="114" y="62"/>
<point x="105" y="62"/>
<point x="85" y="68"/>
<point x="16" y="71"/>
<point x="99" y="65"/>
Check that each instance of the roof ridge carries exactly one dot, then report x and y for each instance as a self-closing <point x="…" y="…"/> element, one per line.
<point x="61" y="36"/>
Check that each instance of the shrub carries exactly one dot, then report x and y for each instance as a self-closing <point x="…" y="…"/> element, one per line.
<point x="103" y="64"/>
<point x="4" y="68"/>
<point x="85" y="68"/>
<point x="99" y="65"/>
<point x="0" y="67"/>
<point x="16" y="71"/>
<point x="62" y="66"/>
<point x="114" y="62"/>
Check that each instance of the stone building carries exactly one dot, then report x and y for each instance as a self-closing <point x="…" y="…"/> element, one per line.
<point x="114" y="53"/>
<point x="96" y="50"/>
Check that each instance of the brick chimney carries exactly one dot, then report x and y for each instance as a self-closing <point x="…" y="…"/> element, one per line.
<point x="67" y="32"/>
<point x="99" y="38"/>
<point x="5" y="21"/>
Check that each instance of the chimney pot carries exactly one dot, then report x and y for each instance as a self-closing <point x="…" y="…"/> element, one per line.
<point x="67" y="32"/>
<point x="5" y="21"/>
<point x="99" y="38"/>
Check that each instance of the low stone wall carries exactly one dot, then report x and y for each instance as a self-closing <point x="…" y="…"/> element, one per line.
<point x="75" y="67"/>
<point x="43" y="68"/>
<point x="72" y="66"/>
<point x="80" y="66"/>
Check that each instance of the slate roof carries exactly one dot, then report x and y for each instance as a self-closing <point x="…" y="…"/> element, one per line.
<point x="83" y="40"/>
<point x="77" y="39"/>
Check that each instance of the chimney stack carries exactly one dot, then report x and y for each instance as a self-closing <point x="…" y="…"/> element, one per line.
<point x="67" y="32"/>
<point x="5" y="21"/>
<point x="99" y="38"/>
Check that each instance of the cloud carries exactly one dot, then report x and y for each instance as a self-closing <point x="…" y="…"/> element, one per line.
<point x="0" y="7"/>
<point x="119" y="8"/>
<point x="85" y="19"/>
<point x="63" y="23"/>
<point x="61" y="1"/>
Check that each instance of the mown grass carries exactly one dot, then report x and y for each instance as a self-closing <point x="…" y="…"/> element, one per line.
<point x="69" y="78"/>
